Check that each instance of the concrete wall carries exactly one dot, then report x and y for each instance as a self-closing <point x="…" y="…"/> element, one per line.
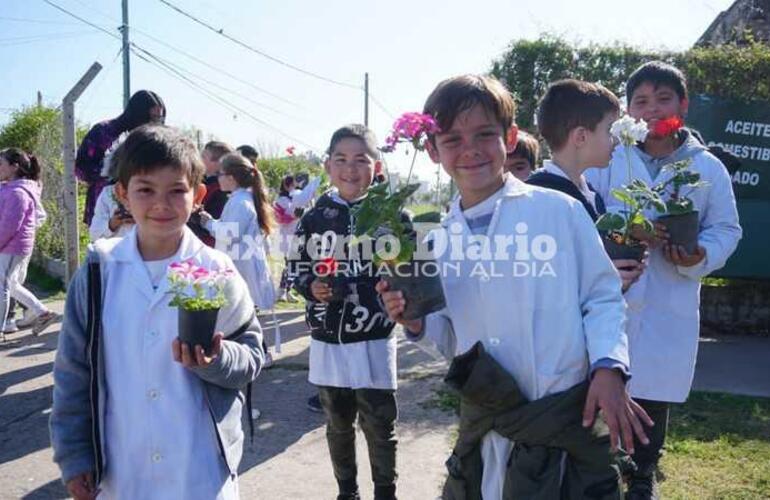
<point x="741" y="307"/>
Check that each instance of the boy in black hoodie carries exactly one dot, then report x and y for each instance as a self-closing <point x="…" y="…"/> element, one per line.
<point x="353" y="349"/>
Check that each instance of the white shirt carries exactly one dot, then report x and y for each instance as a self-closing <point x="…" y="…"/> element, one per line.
<point x="105" y="208"/>
<point x="162" y="441"/>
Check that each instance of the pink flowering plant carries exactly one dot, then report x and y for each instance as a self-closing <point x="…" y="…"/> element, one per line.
<point x="381" y="211"/>
<point x="195" y="288"/>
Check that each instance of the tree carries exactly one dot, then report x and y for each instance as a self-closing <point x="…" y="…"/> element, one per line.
<point x="528" y="66"/>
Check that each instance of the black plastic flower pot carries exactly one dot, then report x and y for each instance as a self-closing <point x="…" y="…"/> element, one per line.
<point x="197" y="327"/>
<point x="420" y="282"/>
<point x="620" y="251"/>
<point x="682" y="230"/>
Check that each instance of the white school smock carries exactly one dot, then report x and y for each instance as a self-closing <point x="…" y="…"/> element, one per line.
<point x="546" y="331"/>
<point x="663" y="305"/>
<point x="104" y="209"/>
<point x="238" y="234"/>
<point x="160" y="440"/>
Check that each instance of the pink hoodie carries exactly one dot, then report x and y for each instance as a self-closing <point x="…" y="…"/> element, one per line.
<point x="20" y="211"/>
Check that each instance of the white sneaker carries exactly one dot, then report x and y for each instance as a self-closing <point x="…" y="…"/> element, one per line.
<point x="26" y="320"/>
<point x="10" y="326"/>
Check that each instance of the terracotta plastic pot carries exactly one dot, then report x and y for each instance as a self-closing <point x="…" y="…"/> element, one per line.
<point x="420" y="282"/>
<point x="197" y="327"/>
<point x="682" y="230"/>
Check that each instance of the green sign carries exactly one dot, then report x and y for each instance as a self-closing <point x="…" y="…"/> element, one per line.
<point x="742" y="128"/>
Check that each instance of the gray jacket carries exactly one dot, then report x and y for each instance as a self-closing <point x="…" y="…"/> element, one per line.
<point x="77" y="416"/>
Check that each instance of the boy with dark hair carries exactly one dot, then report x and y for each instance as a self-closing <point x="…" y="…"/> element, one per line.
<point x="574" y="118"/>
<point x="538" y="353"/>
<point x="249" y="152"/>
<point x="522" y="156"/>
<point x="353" y="349"/>
<point x="663" y="310"/>
<point x="215" y="199"/>
<point x="136" y="413"/>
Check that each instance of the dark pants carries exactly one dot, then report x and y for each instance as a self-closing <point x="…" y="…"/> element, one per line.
<point x="377" y="412"/>
<point x="646" y="457"/>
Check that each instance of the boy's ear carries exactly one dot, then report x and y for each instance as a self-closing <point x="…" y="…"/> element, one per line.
<point x="377" y="167"/>
<point x="122" y="194"/>
<point x="327" y="162"/>
<point x="432" y="151"/>
<point x="577" y="136"/>
<point x="684" y="105"/>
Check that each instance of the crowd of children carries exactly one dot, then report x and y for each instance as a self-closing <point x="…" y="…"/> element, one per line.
<point x="592" y="334"/>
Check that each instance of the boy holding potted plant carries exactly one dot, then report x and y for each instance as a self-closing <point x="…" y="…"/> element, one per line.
<point x="353" y="349"/>
<point x="663" y="319"/>
<point x="137" y="413"/>
<point x="574" y="118"/>
<point x="539" y="352"/>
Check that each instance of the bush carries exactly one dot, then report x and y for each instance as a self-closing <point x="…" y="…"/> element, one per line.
<point x="528" y="66"/>
<point x="275" y="169"/>
<point x="38" y="130"/>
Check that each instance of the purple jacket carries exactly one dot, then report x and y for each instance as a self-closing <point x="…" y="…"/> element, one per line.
<point x="90" y="156"/>
<point x="20" y="210"/>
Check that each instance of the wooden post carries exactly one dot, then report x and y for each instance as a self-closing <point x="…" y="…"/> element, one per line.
<point x="70" y="183"/>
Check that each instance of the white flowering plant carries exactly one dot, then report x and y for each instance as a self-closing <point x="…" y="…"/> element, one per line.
<point x="195" y="288"/>
<point x="629" y="131"/>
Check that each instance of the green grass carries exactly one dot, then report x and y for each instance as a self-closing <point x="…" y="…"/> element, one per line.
<point x="44" y="286"/>
<point x="718" y="446"/>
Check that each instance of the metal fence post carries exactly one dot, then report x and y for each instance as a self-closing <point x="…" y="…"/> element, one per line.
<point x="71" y="237"/>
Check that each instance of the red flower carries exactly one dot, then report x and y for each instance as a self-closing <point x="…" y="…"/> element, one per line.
<point x="326" y="267"/>
<point x="666" y="127"/>
<point x="290" y="150"/>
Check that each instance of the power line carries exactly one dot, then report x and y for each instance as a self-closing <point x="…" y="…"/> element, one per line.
<point x="161" y="63"/>
<point x="246" y="46"/>
<point x="233" y="92"/>
<point x="180" y="51"/>
<point x="381" y="106"/>
<point x="139" y="51"/>
<point x="62" y="9"/>
<point x="42" y="35"/>
<point x="43" y="39"/>
<point x="36" y="21"/>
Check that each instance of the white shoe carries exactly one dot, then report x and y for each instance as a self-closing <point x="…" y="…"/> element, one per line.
<point x="26" y="320"/>
<point x="10" y="326"/>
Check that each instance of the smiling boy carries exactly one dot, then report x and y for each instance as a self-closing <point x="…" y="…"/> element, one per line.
<point x="663" y="306"/>
<point x="545" y="339"/>
<point x="136" y="413"/>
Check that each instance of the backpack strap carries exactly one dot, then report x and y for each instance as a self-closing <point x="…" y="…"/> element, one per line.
<point x="93" y="328"/>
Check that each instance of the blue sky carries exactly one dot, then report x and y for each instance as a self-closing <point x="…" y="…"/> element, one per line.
<point x="405" y="46"/>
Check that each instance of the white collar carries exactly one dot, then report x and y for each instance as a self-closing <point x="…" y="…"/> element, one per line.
<point x="511" y="187"/>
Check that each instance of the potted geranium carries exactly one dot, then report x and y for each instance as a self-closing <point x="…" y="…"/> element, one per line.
<point x="618" y="229"/>
<point x="681" y="218"/>
<point x="380" y="215"/>
<point x="198" y="293"/>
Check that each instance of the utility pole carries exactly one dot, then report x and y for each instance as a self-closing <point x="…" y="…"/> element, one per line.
<point x="39" y="99"/>
<point x="126" y="56"/>
<point x="366" y="99"/>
